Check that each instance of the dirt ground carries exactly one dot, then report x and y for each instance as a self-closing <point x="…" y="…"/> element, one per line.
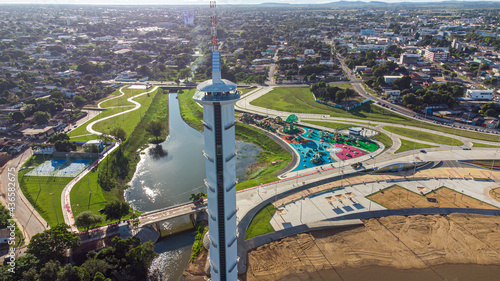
<point x="396" y="197"/>
<point x="196" y="270"/>
<point x="414" y="242"/>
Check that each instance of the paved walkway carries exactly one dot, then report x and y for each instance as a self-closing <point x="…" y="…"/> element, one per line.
<point x="348" y="196"/>
<point x="65" y="195"/>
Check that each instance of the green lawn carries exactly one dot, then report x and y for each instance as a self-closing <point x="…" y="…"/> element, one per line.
<point x="336" y="125"/>
<point x="343" y="85"/>
<point x="423" y="136"/>
<point x="121" y="101"/>
<point x="475" y="144"/>
<point x="80" y="196"/>
<point x="126" y="121"/>
<point x="85" y="138"/>
<point x="191" y="112"/>
<point x="82" y="129"/>
<point x="409" y="145"/>
<point x="156" y="110"/>
<point x="246" y="90"/>
<point x="385" y="140"/>
<point x="260" y="223"/>
<point x="300" y="99"/>
<point x="39" y="195"/>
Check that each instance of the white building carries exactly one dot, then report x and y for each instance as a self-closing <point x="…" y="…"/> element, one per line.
<point x="389" y="79"/>
<point x="218" y="97"/>
<point x="366" y="47"/>
<point x="479" y="94"/>
<point x="309" y="52"/>
<point x="396" y="93"/>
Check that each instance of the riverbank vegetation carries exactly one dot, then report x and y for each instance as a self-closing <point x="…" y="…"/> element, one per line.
<point x="110" y="177"/>
<point x="272" y="159"/>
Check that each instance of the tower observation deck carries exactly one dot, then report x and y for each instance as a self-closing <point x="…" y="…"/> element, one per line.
<point x="218" y="97"/>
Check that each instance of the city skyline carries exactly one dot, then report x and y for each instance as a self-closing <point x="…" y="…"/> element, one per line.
<point x="203" y="2"/>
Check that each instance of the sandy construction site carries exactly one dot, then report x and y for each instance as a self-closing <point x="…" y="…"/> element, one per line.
<point x="399" y="242"/>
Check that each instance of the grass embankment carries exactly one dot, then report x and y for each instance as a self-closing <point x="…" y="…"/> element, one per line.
<point x="198" y="247"/>
<point x="82" y="129"/>
<point x="126" y="121"/>
<point x="409" y="145"/>
<point x="261" y="172"/>
<point x="246" y="90"/>
<point x="383" y="138"/>
<point x="260" y="223"/>
<point x="475" y="144"/>
<point x="301" y="100"/>
<point x="38" y="189"/>
<point x="121" y="168"/>
<point x="422" y="136"/>
<point x="191" y="112"/>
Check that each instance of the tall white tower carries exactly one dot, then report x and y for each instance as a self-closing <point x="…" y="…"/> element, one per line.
<point x="218" y="97"/>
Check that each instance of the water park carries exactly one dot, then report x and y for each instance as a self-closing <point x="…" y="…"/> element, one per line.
<point x="315" y="147"/>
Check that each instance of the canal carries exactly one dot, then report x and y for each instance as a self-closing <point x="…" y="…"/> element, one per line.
<point x="169" y="178"/>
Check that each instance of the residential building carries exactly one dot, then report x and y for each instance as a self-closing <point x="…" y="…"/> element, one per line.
<point x="409" y="58"/>
<point x="389" y="79"/>
<point x="479" y="94"/>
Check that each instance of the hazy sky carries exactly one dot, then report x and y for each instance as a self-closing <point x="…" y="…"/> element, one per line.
<point x="184" y="2"/>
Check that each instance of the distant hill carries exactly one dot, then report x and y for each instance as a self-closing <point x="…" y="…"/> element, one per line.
<point x="274" y="4"/>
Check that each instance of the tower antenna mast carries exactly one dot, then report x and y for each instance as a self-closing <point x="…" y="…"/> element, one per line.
<point x="213" y="20"/>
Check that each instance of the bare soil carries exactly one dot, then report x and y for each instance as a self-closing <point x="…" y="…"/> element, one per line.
<point x="413" y="242"/>
<point x="396" y="197"/>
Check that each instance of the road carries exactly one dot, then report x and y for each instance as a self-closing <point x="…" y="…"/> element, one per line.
<point x="28" y="219"/>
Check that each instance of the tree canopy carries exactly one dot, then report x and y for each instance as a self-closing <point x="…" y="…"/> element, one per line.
<point x="52" y="244"/>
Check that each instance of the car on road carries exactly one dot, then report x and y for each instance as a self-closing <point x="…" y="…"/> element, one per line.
<point x="423" y="151"/>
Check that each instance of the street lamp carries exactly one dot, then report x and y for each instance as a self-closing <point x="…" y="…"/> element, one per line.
<point x="54" y="204"/>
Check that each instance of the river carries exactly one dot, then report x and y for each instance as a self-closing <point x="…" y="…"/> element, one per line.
<point x="168" y="180"/>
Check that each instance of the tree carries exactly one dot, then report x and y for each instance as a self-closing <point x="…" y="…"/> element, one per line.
<point x="41" y="117"/>
<point x="17" y="116"/>
<point x="409" y="99"/>
<point x="52" y="244"/>
<point x="402" y="83"/>
<point x="195" y="197"/>
<point x="93" y="148"/>
<point x="58" y="136"/>
<point x="156" y="128"/>
<point x="79" y="101"/>
<point x="118" y="133"/>
<point x="87" y="219"/>
<point x="490" y="112"/>
<point x="116" y="210"/>
<point x="64" y="146"/>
